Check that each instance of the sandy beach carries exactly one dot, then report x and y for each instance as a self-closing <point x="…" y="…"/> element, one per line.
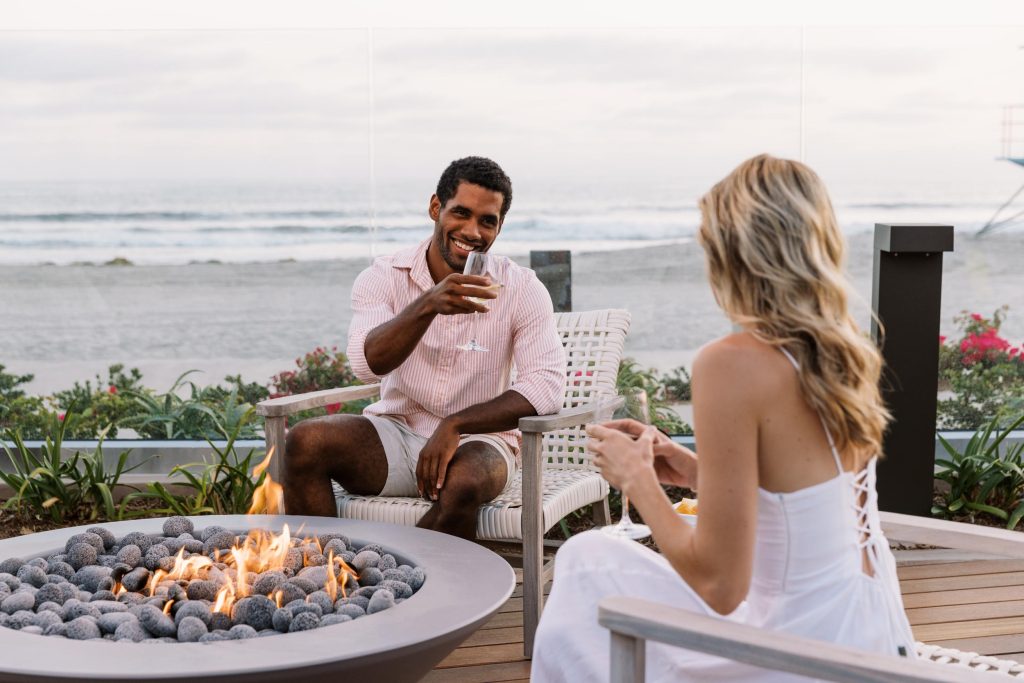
<point x="66" y="323"/>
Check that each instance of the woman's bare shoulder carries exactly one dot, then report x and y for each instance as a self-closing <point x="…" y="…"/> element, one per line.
<point x="741" y="357"/>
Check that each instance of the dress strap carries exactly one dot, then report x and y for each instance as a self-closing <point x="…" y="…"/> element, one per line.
<point x="828" y="434"/>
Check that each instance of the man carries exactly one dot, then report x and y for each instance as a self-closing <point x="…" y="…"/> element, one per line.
<point x="444" y="427"/>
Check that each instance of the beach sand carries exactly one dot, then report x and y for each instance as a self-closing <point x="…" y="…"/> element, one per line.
<point x="67" y="323"/>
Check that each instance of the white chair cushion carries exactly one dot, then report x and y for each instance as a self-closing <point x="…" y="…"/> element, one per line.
<point x="564" y="490"/>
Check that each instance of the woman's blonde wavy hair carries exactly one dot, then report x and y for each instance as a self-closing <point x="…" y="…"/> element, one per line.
<point x="776" y="264"/>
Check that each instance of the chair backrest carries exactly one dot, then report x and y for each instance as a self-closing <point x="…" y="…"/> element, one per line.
<point x="593" y="343"/>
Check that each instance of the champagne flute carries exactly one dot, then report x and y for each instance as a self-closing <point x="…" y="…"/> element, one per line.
<point x="476" y="264"/>
<point x="635" y="407"/>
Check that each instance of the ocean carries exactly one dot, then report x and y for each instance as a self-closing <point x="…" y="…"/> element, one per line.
<point x="175" y="223"/>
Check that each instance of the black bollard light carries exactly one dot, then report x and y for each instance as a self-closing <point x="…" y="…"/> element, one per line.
<point x="906" y="297"/>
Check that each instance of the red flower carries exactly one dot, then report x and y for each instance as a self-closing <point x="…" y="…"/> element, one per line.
<point x="112" y="389"/>
<point x="332" y="408"/>
<point x="61" y="417"/>
<point x="942" y="339"/>
<point x="976" y="317"/>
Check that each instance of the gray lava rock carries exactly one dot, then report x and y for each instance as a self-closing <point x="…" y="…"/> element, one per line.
<point x="83" y="554"/>
<point x="106" y="560"/>
<point x="17" y="601"/>
<point x="322" y="599"/>
<point x="219" y="621"/>
<point x="32" y="575"/>
<point x="89" y="578"/>
<point x="290" y="592"/>
<point x="190" y="545"/>
<point x="109" y="541"/>
<point x="21" y="619"/>
<point x="348" y="556"/>
<point x="10" y="580"/>
<point x="372" y="547"/>
<point x="242" y="632"/>
<point x="110" y="622"/>
<point x="366" y="591"/>
<point x="298" y="607"/>
<point x="351" y="610"/>
<point x="68" y="590"/>
<point x="59" y="630"/>
<point x="5" y="618"/>
<point x="304" y="621"/>
<point x="54" y="578"/>
<point x="10" y="566"/>
<point x="109" y="606"/>
<point x="37" y="562"/>
<point x="177" y="593"/>
<point x="387" y="561"/>
<point x="54" y="607"/>
<point x="418" y="577"/>
<point x="176" y="526"/>
<point x="361" y="600"/>
<point x="61" y="569"/>
<point x="130" y="555"/>
<point x="303" y="583"/>
<point x="136" y="579"/>
<point x="133" y="631"/>
<point x="318" y="575"/>
<point x="332" y="619"/>
<point x="165" y="563"/>
<point x="222" y="540"/>
<point x="370" y="576"/>
<point x="325" y="540"/>
<point x="364" y="559"/>
<point x="282" y="619"/>
<point x="336" y="546"/>
<point x="380" y="601"/>
<point x="256" y="611"/>
<point x="88" y="537"/>
<point x="46" y="618"/>
<point x="268" y="582"/>
<point x="4" y="591"/>
<point x="312" y="557"/>
<point x="139" y="539"/>
<point x="397" y="588"/>
<point x="153" y="556"/>
<point x="193" y="608"/>
<point x="209" y="532"/>
<point x="293" y="560"/>
<point x="191" y="629"/>
<point x="73" y="609"/>
<point x="32" y="629"/>
<point x="131" y="599"/>
<point x="156" y="622"/>
<point x="212" y="637"/>
<point x="102" y="596"/>
<point x="202" y="590"/>
<point x="49" y="592"/>
<point x="82" y="628"/>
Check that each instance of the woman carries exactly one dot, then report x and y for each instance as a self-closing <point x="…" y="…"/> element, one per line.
<point x="790" y="420"/>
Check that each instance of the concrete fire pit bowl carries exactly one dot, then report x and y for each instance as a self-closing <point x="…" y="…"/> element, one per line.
<point x="465" y="585"/>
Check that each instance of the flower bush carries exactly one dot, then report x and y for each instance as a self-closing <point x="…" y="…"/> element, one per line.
<point x="983" y="372"/>
<point x="319" y="369"/>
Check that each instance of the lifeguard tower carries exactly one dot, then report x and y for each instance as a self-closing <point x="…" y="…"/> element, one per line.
<point x="1011" y="149"/>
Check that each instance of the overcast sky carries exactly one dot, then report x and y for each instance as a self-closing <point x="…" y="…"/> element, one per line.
<point x="887" y="113"/>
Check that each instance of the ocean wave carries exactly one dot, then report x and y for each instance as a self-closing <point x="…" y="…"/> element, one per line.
<point x="116" y="216"/>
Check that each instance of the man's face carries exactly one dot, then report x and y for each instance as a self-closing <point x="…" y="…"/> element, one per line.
<point x="469" y="221"/>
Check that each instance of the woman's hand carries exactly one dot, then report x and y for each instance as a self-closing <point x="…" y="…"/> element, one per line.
<point x="624" y="461"/>
<point x="675" y="464"/>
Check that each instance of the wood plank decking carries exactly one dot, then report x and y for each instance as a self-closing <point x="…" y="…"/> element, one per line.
<point x="976" y="605"/>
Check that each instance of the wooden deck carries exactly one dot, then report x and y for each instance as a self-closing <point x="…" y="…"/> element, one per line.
<point x="974" y="605"/>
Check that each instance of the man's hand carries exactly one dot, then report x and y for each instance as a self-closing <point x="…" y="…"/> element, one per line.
<point x="675" y="464"/>
<point x="450" y="295"/>
<point x="434" y="458"/>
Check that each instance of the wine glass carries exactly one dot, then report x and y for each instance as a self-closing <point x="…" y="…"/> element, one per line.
<point x="477" y="263"/>
<point x="635" y="407"/>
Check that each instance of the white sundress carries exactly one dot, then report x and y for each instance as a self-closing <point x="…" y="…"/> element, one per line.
<point x="808" y="579"/>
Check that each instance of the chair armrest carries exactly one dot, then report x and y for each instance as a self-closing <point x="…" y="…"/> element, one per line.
<point x="289" y="405"/>
<point x="569" y="417"/>
<point x="768" y="649"/>
<point x="946" y="534"/>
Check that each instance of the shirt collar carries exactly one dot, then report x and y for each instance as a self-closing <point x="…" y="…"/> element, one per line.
<point x="415" y="261"/>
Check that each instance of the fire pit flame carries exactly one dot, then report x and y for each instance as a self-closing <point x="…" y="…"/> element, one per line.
<point x="268" y="498"/>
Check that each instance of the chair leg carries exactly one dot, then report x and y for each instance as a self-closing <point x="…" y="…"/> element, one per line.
<point x="533" y="540"/>
<point x="602" y="513"/>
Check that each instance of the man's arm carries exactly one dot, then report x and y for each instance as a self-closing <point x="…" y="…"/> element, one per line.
<point x="389" y="344"/>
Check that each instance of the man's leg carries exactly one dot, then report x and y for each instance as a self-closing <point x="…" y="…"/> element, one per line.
<point x="476" y="475"/>
<point x="346" y="448"/>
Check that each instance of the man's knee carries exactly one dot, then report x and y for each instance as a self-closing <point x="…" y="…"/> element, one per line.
<point x="307" y="441"/>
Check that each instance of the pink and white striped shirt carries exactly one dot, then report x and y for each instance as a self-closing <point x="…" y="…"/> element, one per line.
<point x="438" y="379"/>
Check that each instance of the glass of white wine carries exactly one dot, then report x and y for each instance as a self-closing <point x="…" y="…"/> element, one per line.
<point x="477" y="263"/>
<point x="635" y="407"/>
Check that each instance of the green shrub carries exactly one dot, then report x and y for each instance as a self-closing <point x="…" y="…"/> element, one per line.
<point x="103" y="407"/>
<point x="317" y="370"/>
<point x="221" y="485"/>
<point x="984" y="372"/>
<point x="632" y="376"/>
<point x="675" y="386"/>
<point x="985" y="478"/>
<point x="28" y="414"/>
<point x="48" y="485"/>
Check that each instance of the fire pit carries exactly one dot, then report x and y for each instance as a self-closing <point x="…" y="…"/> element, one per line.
<point x="462" y="586"/>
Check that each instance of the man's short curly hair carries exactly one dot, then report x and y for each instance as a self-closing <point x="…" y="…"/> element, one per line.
<point x="478" y="171"/>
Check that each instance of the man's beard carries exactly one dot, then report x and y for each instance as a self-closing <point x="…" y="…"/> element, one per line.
<point x="453" y="262"/>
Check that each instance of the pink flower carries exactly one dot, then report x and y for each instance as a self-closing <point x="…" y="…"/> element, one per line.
<point x="976" y="317"/>
<point x="112" y="389"/>
<point x="61" y="417"/>
<point x="942" y="339"/>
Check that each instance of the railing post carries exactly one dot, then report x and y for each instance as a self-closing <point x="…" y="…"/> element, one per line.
<point x="554" y="270"/>
<point x="906" y="297"/>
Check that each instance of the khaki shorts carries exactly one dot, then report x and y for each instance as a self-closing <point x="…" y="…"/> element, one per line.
<point x="402" y="447"/>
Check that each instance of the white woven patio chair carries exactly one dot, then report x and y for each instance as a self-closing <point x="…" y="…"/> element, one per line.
<point x="557" y="477"/>
<point x="633" y="622"/>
